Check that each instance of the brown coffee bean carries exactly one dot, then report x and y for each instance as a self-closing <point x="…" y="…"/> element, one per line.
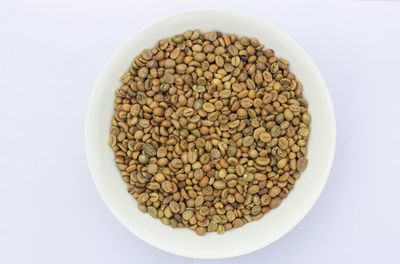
<point x="265" y="137"/>
<point x="265" y="199"/>
<point x="275" y="202"/>
<point x="199" y="201"/>
<point x="237" y="223"/>
<point x="302" y="164"/>
<point x="219" y="185"/>
<point x="174" y="207"/>
<point x="262" y="161"/>
<point x="167" y="186"/>
<point x="186" y="215"/>
<point x="253" y="189"/>
<point x="274" y="191"/>
<point x="176" y="163"/>
<point x="201" y="230"/>
<point x="149" y="150"/>
<point x="208" y="107"/>
<point x="248" y="141"/>
<point x="306" y="118"/>
<point x="275" y="131"/>
<point x="281" y="163"/>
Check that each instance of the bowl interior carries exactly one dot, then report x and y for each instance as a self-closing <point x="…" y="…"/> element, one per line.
<point x="251" y="236"/>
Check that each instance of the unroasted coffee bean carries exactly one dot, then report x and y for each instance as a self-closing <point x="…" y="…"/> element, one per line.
<point x="275" y="202"/>
<point x="274" y="191"/>
<point x="219" y="185"/>
<point x="302" y="164"/>
<point x="186" y="215"/>
<point x="149" y="150"/>
<point x="208" y="107"/>
<point x="167" y="186"/>
<point x="210" y="130"/>
<point x="248" y="141"/>
<point x="176" y="163"/>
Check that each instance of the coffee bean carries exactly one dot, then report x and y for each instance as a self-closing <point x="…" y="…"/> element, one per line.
<point x="219" y="185"/>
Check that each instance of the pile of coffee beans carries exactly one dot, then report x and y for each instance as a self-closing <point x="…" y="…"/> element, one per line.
<point x="209" y="130"/>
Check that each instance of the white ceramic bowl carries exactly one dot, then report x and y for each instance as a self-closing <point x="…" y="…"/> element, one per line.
<point x="254" y="235"/>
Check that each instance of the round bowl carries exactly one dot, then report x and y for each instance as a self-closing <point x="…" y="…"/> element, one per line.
<point x="254" y="235"/>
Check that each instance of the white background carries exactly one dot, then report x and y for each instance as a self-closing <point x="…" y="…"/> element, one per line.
<point x="50" y="55"/>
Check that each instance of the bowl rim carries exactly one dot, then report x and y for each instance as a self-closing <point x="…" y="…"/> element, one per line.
<point x="253" y="19"/>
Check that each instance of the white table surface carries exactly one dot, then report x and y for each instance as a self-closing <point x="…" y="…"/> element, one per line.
<point x="50" y="55"/>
